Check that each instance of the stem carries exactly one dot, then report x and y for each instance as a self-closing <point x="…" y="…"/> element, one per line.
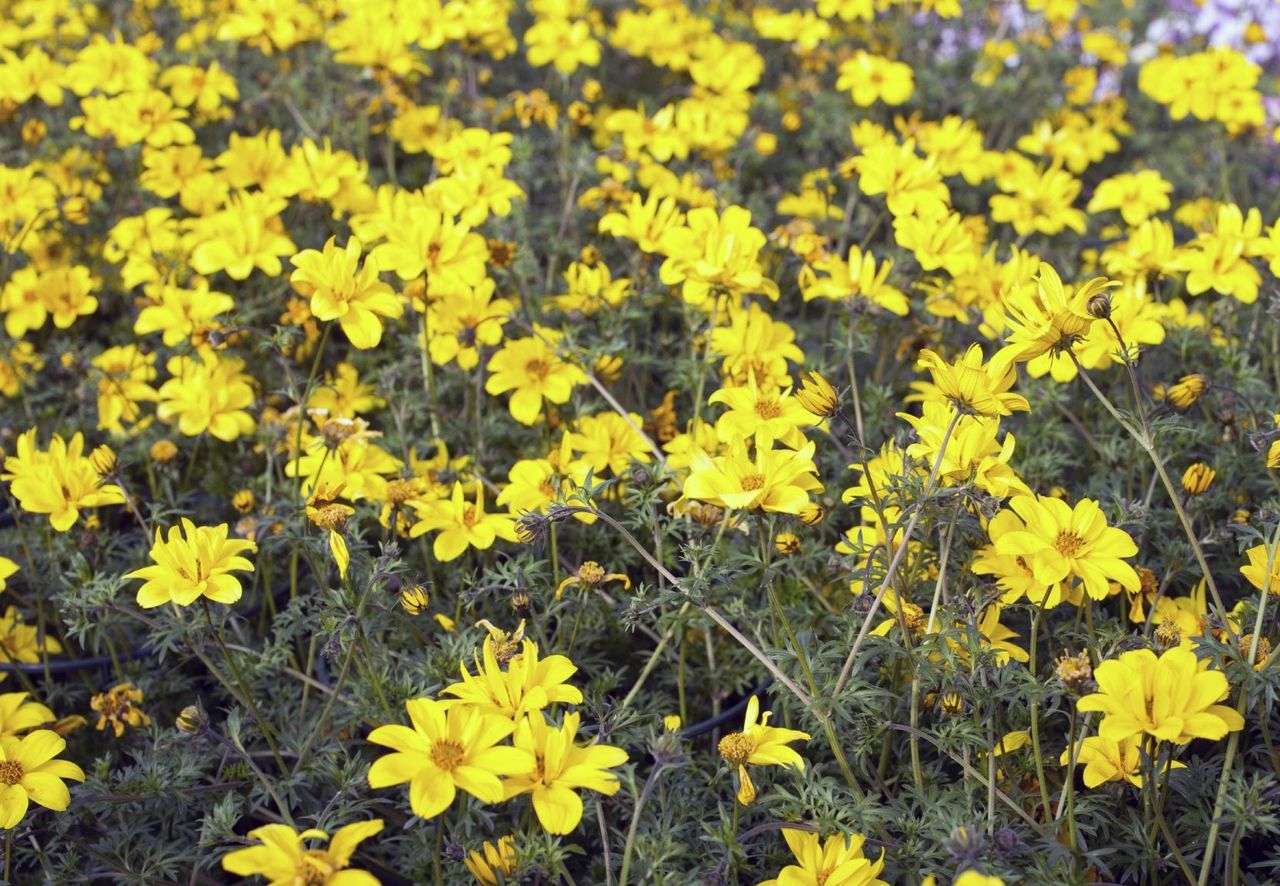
<point x="266" y="730"/>
<point x="649" y="785"/>
<point x="1144" y="439"/>
<point x="1234" y="741"/>
<point x="1035" y="710"/>
<point x="847" y="669"/>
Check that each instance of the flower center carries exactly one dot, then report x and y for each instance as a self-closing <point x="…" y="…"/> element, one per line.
<point x="736" y="748"/>
<point x="447" y="754"/>
<point x="1068" y="543"/>
<point x="399" y="492"/>
<point x="468" y="515"/>
<point x="752" y="482"/>
<point x="768" y="409"/>
<point x="590" y="573"/>
<point x="330" y="516"/>
<point x="11" y="771"/>
<point x="538" y="369"/>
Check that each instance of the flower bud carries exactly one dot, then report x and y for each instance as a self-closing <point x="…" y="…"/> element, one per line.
<point x="103" y="460"/>
<point x="164" y="451"/>
<point x="414" y="599"/>
<point x="817" y="395"/>
<point x="787" y="543"/>
<point x="243" y="501"/>
<point x="1197" y="479"/>
<point x="190" y="720"/>
<point x="1184" y="393"/>
<point x="1099" y="306"/>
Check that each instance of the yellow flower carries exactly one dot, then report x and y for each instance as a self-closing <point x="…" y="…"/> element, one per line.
<point x="974" y="878"/>
<point x="762" y="412"/>
<point x="325" y="511"/>
<point x="448" y="748"/>
<point x="23" y="643"/>
<point x="461" y="524"/>
<point x="124" y="384"/>
<point x="561" y="768"/>
<point x="1061" y="541"/>
<point x="837" y="861"/>
<point x="1256" y="569"/>
<point x="973" y="387"/>
<point x="590" y="575"/>
<point x="462" y="321"/>
<point x="117" y="707"/>
<point x="760" y="745"/>
<point x="194" y="562"/>
<point x="533" y="370"/>
<point x="715" y="254"/>
<point x="59" y="481"/>
<point x="343" y="290"/>
<point x="1137" y="196"/>
<point x="857" y="278"/>
<point x="284" y="860"/>
<point x="29" y="771"/>
<point x="1219" y="259"/>
<point x="428" y="241"/>
<point x="207" y="394"/>
<point x="528" y="684"/>
<point x="564" y="43"/>
<point x="493" y="861"/>
<point x="777" y="480"/>
<point x="1107" y="760"/>
<point x="871" y="78"/>
<point x="1045" y="317"/>
<point x="19" y="715"/>
<point x="1173" y="697"/>
<point x="645" y="221"/>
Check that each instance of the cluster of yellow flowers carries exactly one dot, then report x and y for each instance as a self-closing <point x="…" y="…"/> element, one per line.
<point x="668" y="267"/>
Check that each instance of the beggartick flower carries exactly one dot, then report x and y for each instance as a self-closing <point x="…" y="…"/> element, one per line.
<point x="448" y="748"/>
<point x="1106" y="759"/>
<point x="22" y="643"/>
<point x="118" y="706"/>
<point x="193" y="562"/>
<point x="532" y="370"/>
<point x="324" y="510"/>
<point x="207" y="393"/>
<point x="562" y="767"/>
<point x="759" y="744"/>
<point x="973" y="387"/>
<point x="871" y="78"/>
<point x="30" y="770"/>
<point x="18" y="714"/>
<point x="342" y="289"/>
<point x="1255" y="571"/>
<point x="837" y="861"/>
<point x="493" y="862"/>
<point x="461" y="524"/>
<point x="763" y="412"/>
<point x="1046" y="317"/>
<point x="1061" y="541"/>
<point x="776" y="480"/>
<point x="715" y="253"/>
<point x="283" y="859"/>
<point x="59" y="481"/>
<point x="527" y="684"/>
<point x="1172" y="698"/>
<point x="591" y="575"/>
